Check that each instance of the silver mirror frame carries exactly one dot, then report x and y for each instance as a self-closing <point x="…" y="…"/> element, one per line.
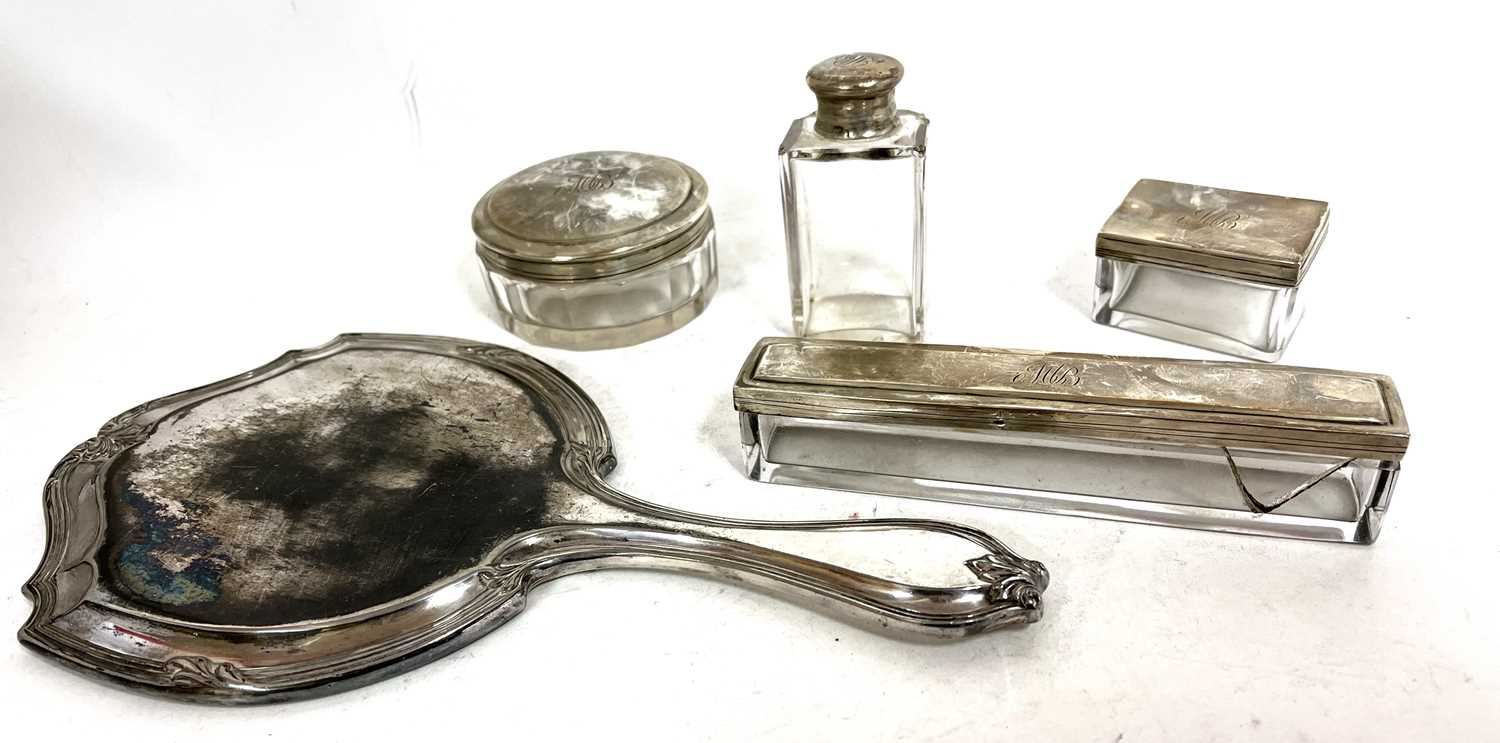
<point x="73" y="620"/>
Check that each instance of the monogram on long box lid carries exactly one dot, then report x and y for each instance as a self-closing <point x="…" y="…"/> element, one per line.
<point x="1195" y="402"/>
<point x="591" y="214"/>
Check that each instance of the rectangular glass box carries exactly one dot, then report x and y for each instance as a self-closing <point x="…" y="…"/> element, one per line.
<point x="1218" y="445"/>
<point x="1208" y="267"/>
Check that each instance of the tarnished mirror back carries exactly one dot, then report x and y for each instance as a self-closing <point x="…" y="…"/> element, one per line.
<point x="277" y="503"/>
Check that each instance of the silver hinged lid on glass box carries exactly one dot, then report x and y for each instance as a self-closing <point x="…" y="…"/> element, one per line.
<point x="591" y="215"/>
<point x="1204" y="403"/>
<point x="1271" y="239"/>
<point x="1224" y="446"/>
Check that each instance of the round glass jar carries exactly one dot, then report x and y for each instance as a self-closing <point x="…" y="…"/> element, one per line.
<point x="598" y="249"/>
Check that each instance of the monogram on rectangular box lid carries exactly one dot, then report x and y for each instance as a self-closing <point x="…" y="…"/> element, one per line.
<point x="1210" y="267"/>
<point x="1215" y="230"/>
<point x="598" y="249"/>
<point x="1231" y="446"/>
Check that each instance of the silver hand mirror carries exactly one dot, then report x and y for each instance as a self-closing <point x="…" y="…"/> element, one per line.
<point x="348" y="512"/>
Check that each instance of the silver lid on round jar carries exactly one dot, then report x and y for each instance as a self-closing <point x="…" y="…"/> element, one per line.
<point x="591" y="215"/>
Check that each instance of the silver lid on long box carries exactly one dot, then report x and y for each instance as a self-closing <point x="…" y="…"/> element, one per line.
<point x="591" y="215"/>
<point x="1205" y="403"/>
<point x="1271" y="239"/>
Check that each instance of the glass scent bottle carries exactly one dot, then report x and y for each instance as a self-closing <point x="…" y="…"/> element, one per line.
<point x="1226" y="446"/>
<point x="598" y="249"/>
<point x="1208" y="267"/>
<point x="851" y="194"/>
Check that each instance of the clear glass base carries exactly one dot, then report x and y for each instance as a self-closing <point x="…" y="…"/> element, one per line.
<point x="593" y="314"/>
<point x="1166" y="484"/>
<point x="862" y="317"/>
<point x="1242" y="318"/>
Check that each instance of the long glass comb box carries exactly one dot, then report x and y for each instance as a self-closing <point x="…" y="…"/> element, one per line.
<point x="1225" y="446"/>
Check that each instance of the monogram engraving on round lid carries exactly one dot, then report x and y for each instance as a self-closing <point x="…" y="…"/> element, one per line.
<point x="586" y="197"/>
<point x="591" y="215"/>
<point x="859" y="75"/>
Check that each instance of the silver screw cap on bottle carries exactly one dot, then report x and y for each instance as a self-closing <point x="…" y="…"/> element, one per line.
<point x="856" y="94"/>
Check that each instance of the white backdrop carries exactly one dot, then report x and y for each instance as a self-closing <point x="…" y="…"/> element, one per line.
<point x="186" y="190"/>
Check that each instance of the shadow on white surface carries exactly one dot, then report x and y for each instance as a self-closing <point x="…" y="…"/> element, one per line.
<point x="720" y="428"/>
<point x="1073" y="281"/>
